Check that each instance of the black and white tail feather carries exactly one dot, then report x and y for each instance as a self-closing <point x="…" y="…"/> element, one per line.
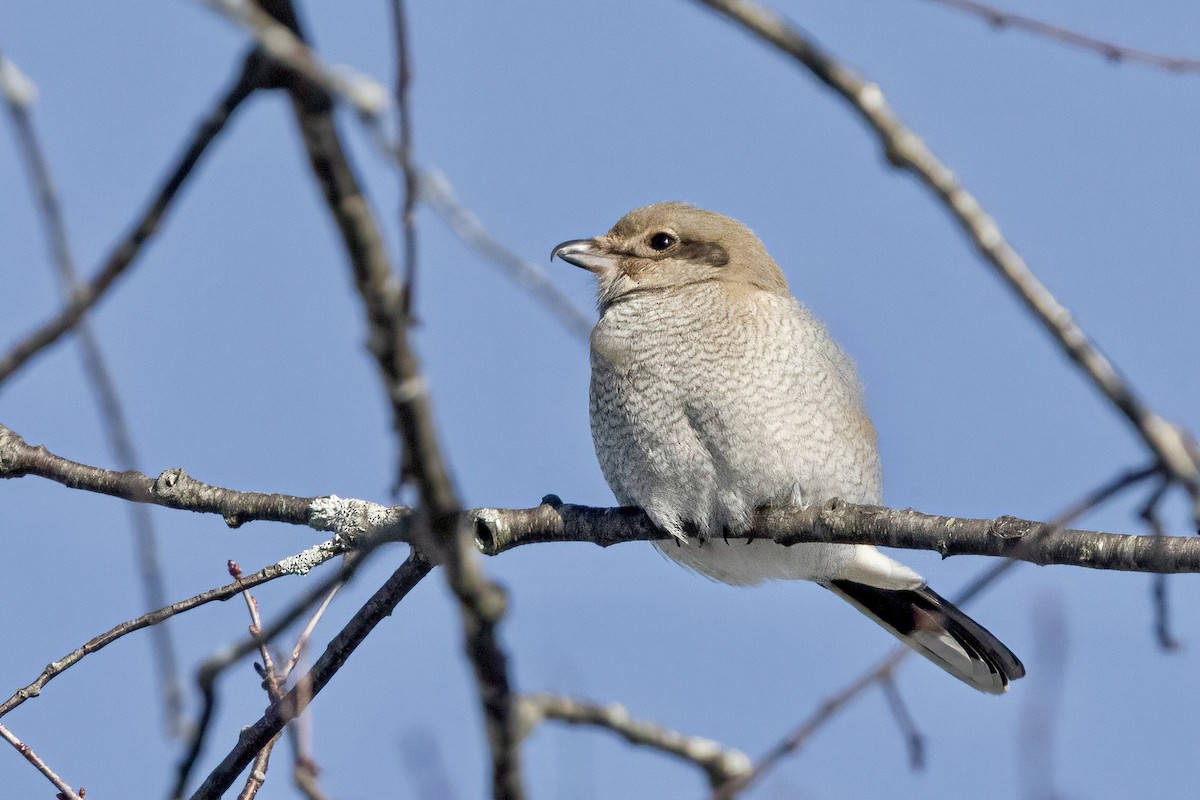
<point x="938" y="630"/>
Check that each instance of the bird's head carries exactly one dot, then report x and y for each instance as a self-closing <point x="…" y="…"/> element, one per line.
<point x="667" y="246"/>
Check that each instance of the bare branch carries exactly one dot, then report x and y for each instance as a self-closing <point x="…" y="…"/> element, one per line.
<point x="1109" y="50"/>
<point x="95" y="367"/>
<point x="358" y="522"/>
<point x="905" y="150"/>
<point x="255" y="737"/>
<point x="719" y="764"/>
<point x="437" y="192"/>
<point x="64" y="791"/>
<point x="498" y="530"/>
<point x="481" y="602"/>
<point x="87" y="294"/>
<point x="215" y="665"/>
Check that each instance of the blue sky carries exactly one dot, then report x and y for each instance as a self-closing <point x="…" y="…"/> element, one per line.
<point x="238" y="346"/>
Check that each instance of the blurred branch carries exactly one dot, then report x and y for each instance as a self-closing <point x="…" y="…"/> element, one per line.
<point x="404" y="156"/>
<point x="369" y="100"/>
<point x="1172" y="446"/>
<point x="254" y="737"/>
<point x="719" y="763"/>
<point x="96" y="370"/>
<point x="65" y="792"/>
<point x="438" y="529"/>
<point x="1110" y="50"/>
<point x="437" y="192"/>
<point x="287" y="48"/>
<point x="87" y="294"/>
<point x="904" y="719"/>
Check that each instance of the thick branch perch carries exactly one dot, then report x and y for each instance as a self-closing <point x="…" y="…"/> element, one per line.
<point x="497" y="530"/>
<point x="500" y="529"/>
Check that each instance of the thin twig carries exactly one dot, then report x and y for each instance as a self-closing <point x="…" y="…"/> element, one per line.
<point x="95" y="367"/>
<point x="87" y="294"/>
<point x="438" y="194"/>
<point x="306" y="634"/>
<point x="905" y="150"/>
<point x="904" y="720"/>
<point x="720" y="764"/>
<point x="213" y="667"/>
<point x="1158" y="591"/>
<point x="254" y="737"/>
<point x="258" y="772"/>
<point x="64" y="790"/>
<point x="1109" y="50"/>
<point x="272" y="683"/>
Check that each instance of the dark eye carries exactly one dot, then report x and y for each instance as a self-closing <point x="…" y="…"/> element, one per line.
<point x="661" y="241"/>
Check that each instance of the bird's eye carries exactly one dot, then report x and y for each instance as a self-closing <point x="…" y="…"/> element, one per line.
<point x="661" y="241"/>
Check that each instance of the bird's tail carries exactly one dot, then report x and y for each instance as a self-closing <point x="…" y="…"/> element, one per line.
<point x="938" y="630"/>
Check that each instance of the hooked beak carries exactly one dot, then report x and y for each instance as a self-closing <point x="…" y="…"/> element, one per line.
<point x="586" y="253"/>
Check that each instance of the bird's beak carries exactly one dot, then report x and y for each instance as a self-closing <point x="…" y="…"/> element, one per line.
<point x="586" y="253"/>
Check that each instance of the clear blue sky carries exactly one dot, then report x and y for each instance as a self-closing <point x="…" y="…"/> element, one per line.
<point x="237" y="344"/>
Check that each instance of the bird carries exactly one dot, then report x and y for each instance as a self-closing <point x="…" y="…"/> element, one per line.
<point x="714" y="392"/>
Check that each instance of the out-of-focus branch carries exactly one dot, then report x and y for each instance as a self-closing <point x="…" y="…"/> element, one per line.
<point x="1111" y="50"/>
<point x="254" y="737"/>
<point x="437" y="192"/>
<point x="404" y="153"/>
<point x="288" y="48"/>
<point x="481" y="602"/>
<point x="720" y="764"/>
<point x="1173" y="447"/>
<point x="95" y="368"/>
<point x="65" y="792"/>
<point x="369" y="100"/>
<point x="913" y="738"/>
<point x="88" y="293"/>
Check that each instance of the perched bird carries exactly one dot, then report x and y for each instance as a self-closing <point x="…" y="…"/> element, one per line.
<point x="715" y="392"/>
